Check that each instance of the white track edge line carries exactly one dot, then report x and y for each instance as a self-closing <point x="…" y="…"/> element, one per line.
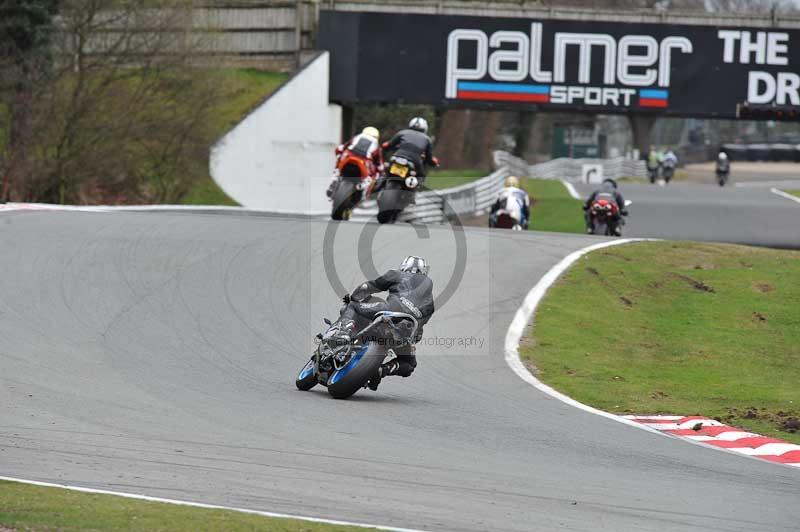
<point x="207" y="506"/>
<point x="524" y="317"/>
<point x="786" y="195"/>
<point x="14" y="207"/>
<point x="571" y="189"/>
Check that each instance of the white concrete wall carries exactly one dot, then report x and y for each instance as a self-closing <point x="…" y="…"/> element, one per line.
<point x="280" y="157"/>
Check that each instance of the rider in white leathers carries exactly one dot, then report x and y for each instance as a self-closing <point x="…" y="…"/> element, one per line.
<point x="514" y="201"/>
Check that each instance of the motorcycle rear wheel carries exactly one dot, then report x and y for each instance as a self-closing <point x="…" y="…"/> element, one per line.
<point x="343" y="201"/>
<point x="390" y="204"/>
<point x="600" y="228"/>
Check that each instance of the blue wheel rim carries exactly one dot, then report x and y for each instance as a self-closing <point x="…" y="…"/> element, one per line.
<point x="307" y="370"/>
<point x="353" y="362"/>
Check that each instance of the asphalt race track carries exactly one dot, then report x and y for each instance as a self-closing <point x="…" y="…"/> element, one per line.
<point x="155" y="353"/>
<point x="744" y="215"/>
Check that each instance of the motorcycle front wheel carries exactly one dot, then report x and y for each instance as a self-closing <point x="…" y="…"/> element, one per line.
<point x="307" y="378"/>
<point x="361" y="367"/>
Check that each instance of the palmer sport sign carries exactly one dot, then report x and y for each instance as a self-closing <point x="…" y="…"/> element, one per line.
<point x="559" y="64"/>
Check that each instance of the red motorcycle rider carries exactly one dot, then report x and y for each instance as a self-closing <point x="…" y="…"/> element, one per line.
<point x="362" y="155"/>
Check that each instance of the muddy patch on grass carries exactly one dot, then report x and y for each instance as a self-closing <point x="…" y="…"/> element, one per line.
<point x="764" y="288"/>
<point x="625" y="301"/>
<point x="786" y="421"/>
<point x="694" y="283"/>
<point x="759" y="318"/>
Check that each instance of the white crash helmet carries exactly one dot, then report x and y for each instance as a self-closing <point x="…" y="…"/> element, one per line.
<point x="722" y="155"/>
<point x="414" y="265"/>
<point x="419" y="124"/>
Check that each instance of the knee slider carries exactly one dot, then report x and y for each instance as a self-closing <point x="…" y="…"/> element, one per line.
<point x="405" y="369"/>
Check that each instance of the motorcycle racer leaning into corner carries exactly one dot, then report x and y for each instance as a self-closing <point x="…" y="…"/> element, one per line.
<point x="608" y="190"/>
<point x="366" y="146"/>
<point x="410" y="291"/>
<point x="415" y="145"/>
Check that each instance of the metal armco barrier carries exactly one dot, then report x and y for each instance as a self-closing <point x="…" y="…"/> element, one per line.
<point x="437" y="206"/>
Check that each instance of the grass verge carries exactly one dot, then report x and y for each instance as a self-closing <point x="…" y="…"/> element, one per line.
<point x="247" y="88"/>
<point x="26" y="507"/>
<point x="553" y="208"/>
<point x="677" y="328"/>
<point x="794" y="192"/>
<point x="439" y="179"/>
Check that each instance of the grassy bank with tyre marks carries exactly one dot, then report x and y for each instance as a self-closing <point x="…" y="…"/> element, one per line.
<point x="677" y="328"/>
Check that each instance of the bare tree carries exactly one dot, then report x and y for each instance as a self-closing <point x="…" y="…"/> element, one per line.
<point x="124" y="110"/>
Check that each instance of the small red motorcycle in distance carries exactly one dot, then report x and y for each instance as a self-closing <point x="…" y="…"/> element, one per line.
<point x="354" y="185"/>
<point x="606" y="218"/>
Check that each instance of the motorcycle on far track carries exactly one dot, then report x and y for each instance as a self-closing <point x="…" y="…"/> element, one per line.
<point x="354" y="185"/>
<point x="606" y="218"/>
<point x="399" y="188"/>
<point x="345" y="368"/>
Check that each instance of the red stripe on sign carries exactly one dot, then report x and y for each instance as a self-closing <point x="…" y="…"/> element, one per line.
<point x="652" y="102"/>
<point x="503" y="96"/>
<point x="753" y="443"/>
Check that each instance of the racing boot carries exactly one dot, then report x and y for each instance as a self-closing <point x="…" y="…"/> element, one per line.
<point x="387" y="369"/>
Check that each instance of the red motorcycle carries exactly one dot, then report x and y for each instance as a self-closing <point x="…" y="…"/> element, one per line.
<point x="606" y="218"/>
<point x="356" y="180"/>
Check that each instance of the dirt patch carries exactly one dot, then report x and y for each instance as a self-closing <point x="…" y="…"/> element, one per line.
<point x="791" y="425"/>
<point x="759" y="318"/>
<point x="781" y="420"/>
<point x="658" y="394"/>
<point x="625" y="301"/>
<point x="694" y="283"/>
<point x="4" y="529"/>
<point x="593" y="271"/>
<point x="763" y="287"/>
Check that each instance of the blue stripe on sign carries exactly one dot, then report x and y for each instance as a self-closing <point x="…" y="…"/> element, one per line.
<point x="503" y="87"/>
<point x="654" y="94"/>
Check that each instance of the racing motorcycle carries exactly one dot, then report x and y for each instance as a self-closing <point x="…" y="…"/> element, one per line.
<point x="504" y="219"/>
<point x="355" y="184"/>
<point x="398" y="190"/>
<point x="668" y="170"/>
<point x="606" y="219"/>
<point x="652" y="173"/>
<point x="509" y="217"/>
<point x="722" y="175"/>
<point x="345" y="368"/>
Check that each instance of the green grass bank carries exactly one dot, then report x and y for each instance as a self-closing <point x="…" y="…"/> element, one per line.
<point x="677" y="328"/>
<point x="247" y="88"/>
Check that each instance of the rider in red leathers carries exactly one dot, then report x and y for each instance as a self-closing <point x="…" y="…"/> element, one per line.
<point x="364" y="151"/>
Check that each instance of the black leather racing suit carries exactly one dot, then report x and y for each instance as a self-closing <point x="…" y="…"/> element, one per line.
<point x="411" y="293"/>
<point x="414" y="146"/>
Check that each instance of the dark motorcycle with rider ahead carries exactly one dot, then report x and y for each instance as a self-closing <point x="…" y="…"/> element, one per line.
<point x="411" y="152"/>
<point x="373" y="338"/>
<point x="605" y="209"/>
